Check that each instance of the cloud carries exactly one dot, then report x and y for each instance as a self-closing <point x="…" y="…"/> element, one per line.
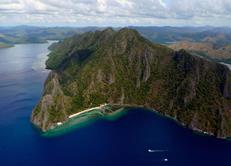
<point x="116" y="12"/>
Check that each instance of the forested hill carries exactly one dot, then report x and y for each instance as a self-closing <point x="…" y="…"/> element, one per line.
<point x="122" y="67"/>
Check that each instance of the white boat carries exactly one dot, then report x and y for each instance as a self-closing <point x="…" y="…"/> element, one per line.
<point x="150" y="150"/>
<point x="156" y="151"/>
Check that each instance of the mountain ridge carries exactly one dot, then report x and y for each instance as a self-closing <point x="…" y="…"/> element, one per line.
<point x="122" y="67"/>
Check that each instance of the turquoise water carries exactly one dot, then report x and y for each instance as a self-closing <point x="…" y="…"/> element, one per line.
<point x="83" y="120"/>
<point x="104" y="141"/>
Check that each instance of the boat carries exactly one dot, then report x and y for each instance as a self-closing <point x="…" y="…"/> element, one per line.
<point x="156" y="151"/>
<point x="150" y="150"/>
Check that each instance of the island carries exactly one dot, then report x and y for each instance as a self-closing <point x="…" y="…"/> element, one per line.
<point x="5" y="45"/>
<point x="123" y="68"/>
<point x="9" y="36"/>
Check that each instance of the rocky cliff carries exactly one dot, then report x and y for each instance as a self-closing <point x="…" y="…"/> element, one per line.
<point x="121" y="67"/>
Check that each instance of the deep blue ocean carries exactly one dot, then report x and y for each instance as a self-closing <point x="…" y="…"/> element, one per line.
<point x="125" y="141"/>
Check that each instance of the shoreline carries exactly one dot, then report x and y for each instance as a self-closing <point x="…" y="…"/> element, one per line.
<point x="114" y="112"/>
<point x="6" y="46"/>
<point x="194" y="130"/>
<point x="112" y="108"/>
<point x="81" y="112"/>
<point x="87" y="110"/>
<point x="83" y="118"/>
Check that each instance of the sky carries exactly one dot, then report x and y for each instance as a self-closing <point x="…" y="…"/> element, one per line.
<point x="115" y="12"/>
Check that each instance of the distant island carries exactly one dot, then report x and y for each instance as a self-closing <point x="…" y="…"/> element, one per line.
<point x="123" y="68"/>
<point x="5" y="45"/>
<point x="9" y="36"/>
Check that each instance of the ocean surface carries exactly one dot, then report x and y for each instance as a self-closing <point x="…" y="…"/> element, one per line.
<point x="138" y="138"/>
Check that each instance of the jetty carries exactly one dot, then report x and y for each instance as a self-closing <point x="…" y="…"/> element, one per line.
<point x="87" y="110"/>
<point x="82" y="112"/>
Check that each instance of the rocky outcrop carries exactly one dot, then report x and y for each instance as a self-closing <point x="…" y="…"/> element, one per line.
<point x="53" y="106"/>
<point x="124" y="68"/>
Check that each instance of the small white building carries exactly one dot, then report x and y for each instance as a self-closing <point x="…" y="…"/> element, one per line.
<point x="59" y="123"/>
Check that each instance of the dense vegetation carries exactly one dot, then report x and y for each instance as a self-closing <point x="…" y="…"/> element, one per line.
<point x="122" y="67"/>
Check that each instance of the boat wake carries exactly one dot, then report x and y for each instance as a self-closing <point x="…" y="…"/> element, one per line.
<point x="156" y="151"/>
